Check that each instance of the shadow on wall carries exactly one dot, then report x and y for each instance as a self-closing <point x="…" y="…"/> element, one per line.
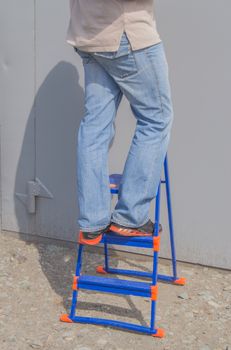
<point x="56" y="129"/>
<point x="48" y="152"/>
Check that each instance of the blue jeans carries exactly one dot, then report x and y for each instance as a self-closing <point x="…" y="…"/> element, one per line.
<point x="142" y="76"/>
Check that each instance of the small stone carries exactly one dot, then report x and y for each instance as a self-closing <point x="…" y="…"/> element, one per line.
<point x="183" y="296"/>
<point x="195" y="311"/>
<point x="33" y="309"/>
<point x="67" y="258"/>
<point x="227" y="288"/>
<point x="68" y="338"/>
<point x="35" y="345"/>
<point x="212" y="303"/>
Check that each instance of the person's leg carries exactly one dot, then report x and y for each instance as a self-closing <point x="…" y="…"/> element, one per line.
<point x="143" y="77"/>
<point x="96" y="130"/>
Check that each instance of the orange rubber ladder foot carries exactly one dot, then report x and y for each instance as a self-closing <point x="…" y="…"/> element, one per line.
<point x="159" y="333"/>
<point x="65" y="318"/>
<point x="180" y="281"/>
<point x="100" y="269"/>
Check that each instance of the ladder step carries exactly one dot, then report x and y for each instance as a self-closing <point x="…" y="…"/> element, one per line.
<point x="124" y="325"/>
<point x="114" y="285"/>
<point x="141" y="242"/>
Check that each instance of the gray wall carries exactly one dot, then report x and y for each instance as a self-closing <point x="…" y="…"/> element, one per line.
<point x="41" y="95"/>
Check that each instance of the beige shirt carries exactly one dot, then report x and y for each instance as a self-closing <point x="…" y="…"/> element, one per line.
<point x="97" y="25"/>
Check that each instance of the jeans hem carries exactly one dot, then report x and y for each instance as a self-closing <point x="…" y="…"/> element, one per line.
<point x="127" y="224"/>
<point x="92" y="229"/>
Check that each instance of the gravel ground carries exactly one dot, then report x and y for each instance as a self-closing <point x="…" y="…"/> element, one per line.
<point x="35" y="288"/>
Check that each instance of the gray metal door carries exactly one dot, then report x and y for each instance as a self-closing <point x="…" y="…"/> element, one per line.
<point x="17" y="92"/>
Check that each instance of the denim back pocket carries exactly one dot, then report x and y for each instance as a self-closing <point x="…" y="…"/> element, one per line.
<point x="118" y="65"/>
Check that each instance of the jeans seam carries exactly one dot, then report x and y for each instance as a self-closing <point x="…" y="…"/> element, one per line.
<point x="128" y="225"/>
<point x="94" y="228"/>
<point x="157" y="81"/>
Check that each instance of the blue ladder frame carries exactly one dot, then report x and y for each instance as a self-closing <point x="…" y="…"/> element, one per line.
<point x="127" y="287"/>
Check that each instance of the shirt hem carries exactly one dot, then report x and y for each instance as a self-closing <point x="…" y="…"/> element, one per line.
<point x="113" y="48"/>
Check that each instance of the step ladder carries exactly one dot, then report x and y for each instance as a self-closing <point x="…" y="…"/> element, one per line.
<point x="127" y="287"/>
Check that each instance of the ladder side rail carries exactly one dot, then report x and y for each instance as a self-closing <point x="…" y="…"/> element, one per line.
<point x="170" y="218"/>
<point x="77" y="274"/>
<point x="155" y="255"/>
